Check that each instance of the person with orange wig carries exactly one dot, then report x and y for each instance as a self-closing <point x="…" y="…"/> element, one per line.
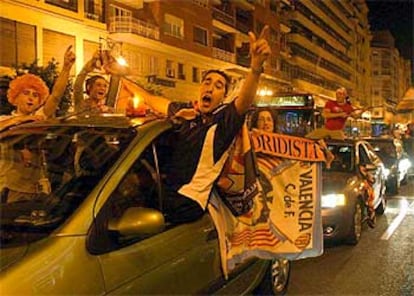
<point x="21" y="168"/>
<point x="30" y="95"/>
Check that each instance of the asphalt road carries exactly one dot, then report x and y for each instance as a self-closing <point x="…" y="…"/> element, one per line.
<point x="381" y="264"/>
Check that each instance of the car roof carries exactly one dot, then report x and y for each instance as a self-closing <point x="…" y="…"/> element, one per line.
<point x="380" y="139"/>
<point x="347" y="141"/>
<point x="94" y="120"/>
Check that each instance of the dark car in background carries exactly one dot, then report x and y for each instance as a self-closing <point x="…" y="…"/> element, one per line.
<point x="396" y="161"/>
<point x="102" y="227"/>
<point x="345" y="191"/>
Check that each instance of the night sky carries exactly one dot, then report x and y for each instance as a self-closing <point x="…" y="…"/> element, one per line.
<point x="396" y="16"/>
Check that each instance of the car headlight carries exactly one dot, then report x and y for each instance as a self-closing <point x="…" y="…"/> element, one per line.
<point x="333" y="200"/>
<point x="404" y="164"/>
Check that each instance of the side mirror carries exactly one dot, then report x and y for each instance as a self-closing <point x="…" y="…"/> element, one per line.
<point x="138" y="222"/>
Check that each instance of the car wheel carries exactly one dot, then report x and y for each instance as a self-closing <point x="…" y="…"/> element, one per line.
<point x="276" y="278"/>
<point x="393" y="186"/>
<point x="404" y="181"/>
<point x="355" y="230"/>
<point x="381" y="207"/>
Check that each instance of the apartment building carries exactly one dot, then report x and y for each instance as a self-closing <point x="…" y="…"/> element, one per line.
<point x="171" y="43"/>
<point x="317" y="46"/>
<point x="329" y="43"/>
<point x="167" y="43"/>
<point x="391" y="76"/>
<point x="41" y="30"/>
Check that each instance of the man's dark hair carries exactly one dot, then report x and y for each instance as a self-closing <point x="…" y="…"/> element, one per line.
<point x="90" y="81"/>
<point x="226" y="77"/>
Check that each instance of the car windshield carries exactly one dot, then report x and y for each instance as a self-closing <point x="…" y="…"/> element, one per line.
<point x="344" y="158"/>
<point x="386" y="150"/>
<point x="47" y="172"/>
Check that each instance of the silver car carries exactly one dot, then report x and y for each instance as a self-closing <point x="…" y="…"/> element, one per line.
<point x="345" y="191"/>
<point x="97" y="224"/>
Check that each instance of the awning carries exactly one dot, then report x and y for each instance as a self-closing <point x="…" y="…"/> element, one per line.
<point x="407" y="102"/>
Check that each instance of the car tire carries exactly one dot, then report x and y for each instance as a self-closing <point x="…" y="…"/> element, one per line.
<point x="393" y="186"/>
<point x="381" y="207"/>
<point x="404" y="181"/>
<point x="355" y="231"/>
<point x="276" y="278"/>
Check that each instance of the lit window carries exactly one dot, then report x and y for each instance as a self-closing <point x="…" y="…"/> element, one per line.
<point x="173" y="26"/>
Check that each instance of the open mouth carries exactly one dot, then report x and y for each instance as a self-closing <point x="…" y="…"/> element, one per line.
<point x="206" y="100"/>
<point x="100" y="94"/>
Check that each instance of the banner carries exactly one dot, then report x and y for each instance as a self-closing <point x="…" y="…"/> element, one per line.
<point x="282" y="216"/>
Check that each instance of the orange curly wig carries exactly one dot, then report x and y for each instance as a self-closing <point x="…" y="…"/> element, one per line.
<point x="20" y="83"/>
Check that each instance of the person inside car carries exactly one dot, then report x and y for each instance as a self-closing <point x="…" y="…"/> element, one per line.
<point x="205" y="133"/>
<point x="265" y="120"/>
<point x="21" y="175"/>
<point x="96" y="87"/>
<point x="335" y="114"/>
<point x="31" y="98"/>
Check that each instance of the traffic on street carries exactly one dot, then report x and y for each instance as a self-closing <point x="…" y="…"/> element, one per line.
<point x="381" y="264"/>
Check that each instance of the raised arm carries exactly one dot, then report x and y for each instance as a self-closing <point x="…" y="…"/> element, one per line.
<point x="157" y="103"/>
<point x="59" y="87"/>
<point x="80" y="79"/>
<point x="259" y="52"/>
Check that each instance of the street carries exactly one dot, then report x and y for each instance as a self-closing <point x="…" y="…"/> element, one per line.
<point x="381" y="264"/>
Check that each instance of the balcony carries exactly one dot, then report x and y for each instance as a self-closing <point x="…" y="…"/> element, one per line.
<point x="224" y="55"/>
<point x="224" y="17"/>
<point x="242" y="27"/>
<point x="120" y="24"/>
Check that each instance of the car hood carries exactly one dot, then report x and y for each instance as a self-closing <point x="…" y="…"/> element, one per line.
<point x="9" y="256"/>
<point x="334" y="181"/>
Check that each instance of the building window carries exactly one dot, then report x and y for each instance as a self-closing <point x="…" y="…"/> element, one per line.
<point x="94" y="10"/>
<point x="18" y="43"/>
<point x="52" y="43"/>
<point x="119" y="12"/>
<point x="200" y="35"/>
<point x="173" y="26"/>
<point x="67" y="4"/>
<point x="202" y="3"/>
<point x="170" y="71"/>
<point x="152" y="65"/>
<point x="196" y="74"/>
<point x="181" y="72"/>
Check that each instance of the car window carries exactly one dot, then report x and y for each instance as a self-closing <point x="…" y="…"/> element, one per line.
<point x="372" y="154"/>
<point x="48" y="172"/>
<point x="343" y="160"/>
<point x="140" y="187"/>
<point x="363" y="155"/>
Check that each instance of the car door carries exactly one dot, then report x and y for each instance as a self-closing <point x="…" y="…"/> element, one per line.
<point x="182" y="259"/>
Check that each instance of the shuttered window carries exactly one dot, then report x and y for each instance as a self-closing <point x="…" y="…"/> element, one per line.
<point x="55" y="45"/>
<point x="89" y="48"/>
<point x="18" y="43"/>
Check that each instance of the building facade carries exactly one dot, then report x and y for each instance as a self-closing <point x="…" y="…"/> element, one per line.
<point x="317" y="46"/>
<point x="329" y="43"/>
<point x="391" y="77"/>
